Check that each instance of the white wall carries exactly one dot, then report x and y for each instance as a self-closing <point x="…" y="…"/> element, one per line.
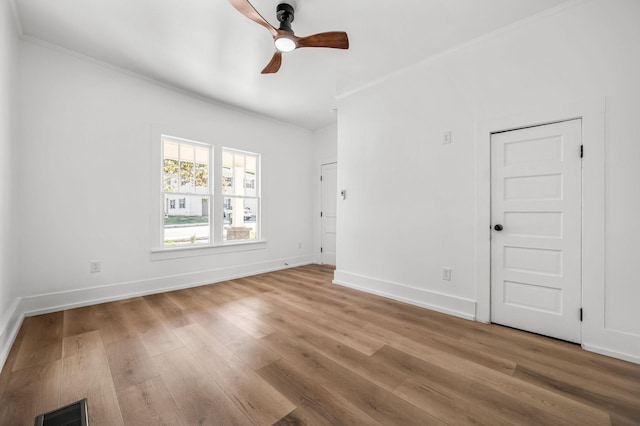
<point x="85" y="135"/>
<point x="8" y="285"/>
<point x="325" y="150"/>
<point x="411" y="206"/>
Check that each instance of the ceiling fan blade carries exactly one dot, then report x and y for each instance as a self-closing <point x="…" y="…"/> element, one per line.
<point x="274" y="65"/>
<point x="332" y="39"/>
<point x="250" y="12"/>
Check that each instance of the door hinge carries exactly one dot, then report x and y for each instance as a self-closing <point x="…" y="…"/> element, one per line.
<point x="320" y="178"/>
<point x="320" y="249"/>
<point x="320" y="214"/>
<point x="580" y="314"/>
<point x="581" y="151"/>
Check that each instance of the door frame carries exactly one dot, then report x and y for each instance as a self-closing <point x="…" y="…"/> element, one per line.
<point x="592" y="114"/>
<point x="317" y="223"/>
<point x="579" y="192"/>
<point x="321" y="260"/>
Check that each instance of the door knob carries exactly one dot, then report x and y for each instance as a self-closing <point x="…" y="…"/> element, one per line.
<point x="498" y="227"/>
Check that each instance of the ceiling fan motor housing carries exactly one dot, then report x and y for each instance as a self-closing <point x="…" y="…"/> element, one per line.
<point x="284" y="13"/>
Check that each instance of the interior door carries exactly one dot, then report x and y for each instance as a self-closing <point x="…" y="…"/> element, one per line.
<point x="536" y="236"/>
<point x="329" y="195"/>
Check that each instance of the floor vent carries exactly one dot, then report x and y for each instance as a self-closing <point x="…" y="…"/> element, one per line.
<point x="70" y="415"/>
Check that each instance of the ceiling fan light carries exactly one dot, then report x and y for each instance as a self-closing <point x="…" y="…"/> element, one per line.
<point x="285" y="44"/>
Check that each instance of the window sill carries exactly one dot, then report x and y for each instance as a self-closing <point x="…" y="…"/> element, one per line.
<point x="206" y="250"/>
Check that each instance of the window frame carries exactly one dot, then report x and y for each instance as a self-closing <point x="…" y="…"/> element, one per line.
<point x="257" y="188"/>
<point x="216" y="245"/>
<point x="182" y="195"/>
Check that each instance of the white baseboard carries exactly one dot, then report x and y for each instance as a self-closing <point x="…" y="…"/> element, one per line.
<point x="9" y="326"/>
<point x="58" y="301"/>
<point x="611" y="353"/>
<point x="447" y="304"/>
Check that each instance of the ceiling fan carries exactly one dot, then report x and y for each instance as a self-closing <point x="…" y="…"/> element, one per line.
<point x="284" y="39"/>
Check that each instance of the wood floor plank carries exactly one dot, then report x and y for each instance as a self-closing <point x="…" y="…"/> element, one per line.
<point x="42" y="342"/>
<point x="81" y="343"/>
<point x="333" y="328"/>
<point x="129" y="362"/>
<point x="154" y="334"/>
<point x="594" y="393"/>
<point x="400" y="333"/>
<point x="170" y="313"/>
<point x="382" y="405"/>
<point x="199" y="399"/>
<point x="31" y="391"/>
<point x="81" y="320"/>
<point x="366" y="366"/>
<point x="251" y="394"/>
<point x="86" y="374"/>
<point x="11" y="359"/>
<point x="253" y="352"/>
<point x="149" y="403"/>
<point x="540" y="398"/>
<point x="532" y="347"/>
<point x="224" y="331"/>
<point x="316" y="405"/>
<point x="250" y="325"/>
<point x="454" y="398"/>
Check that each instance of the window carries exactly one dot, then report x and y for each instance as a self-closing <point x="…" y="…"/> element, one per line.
<point x="240" y="189"/>
<point x="185" y="177"/>
<point x="194" y="212"/>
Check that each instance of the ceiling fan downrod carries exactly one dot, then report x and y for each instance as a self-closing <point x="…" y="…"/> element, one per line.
<point x="284" y="14"/>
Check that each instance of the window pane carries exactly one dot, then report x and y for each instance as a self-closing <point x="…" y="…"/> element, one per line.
<point x="186" y="219"/>
<point x="227" y="172"/>
<point x="250" y="184"/>
<point x="170" y="166"/>
<point x="187" y="172"/>
<point x="201" y="171"/>
<point x="240" y="219"/>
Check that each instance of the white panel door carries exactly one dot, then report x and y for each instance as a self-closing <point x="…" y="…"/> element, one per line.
<point x="536" y="198"/>
<point x="329" y="194"/>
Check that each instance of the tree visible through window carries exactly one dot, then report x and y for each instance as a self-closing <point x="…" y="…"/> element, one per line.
<point x="186" y="179"/>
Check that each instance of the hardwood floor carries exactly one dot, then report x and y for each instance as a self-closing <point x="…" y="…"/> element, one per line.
<point x="290" y="347"/>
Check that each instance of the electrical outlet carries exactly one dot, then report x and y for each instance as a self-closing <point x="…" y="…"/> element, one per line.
<point x="446" y="274"/>
<point x="94" y="267"/>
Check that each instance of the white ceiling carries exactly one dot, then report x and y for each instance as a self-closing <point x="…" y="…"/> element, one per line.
<point x="208" y="48"/>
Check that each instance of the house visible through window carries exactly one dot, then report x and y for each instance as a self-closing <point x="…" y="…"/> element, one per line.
<point x="240" y="188"/>
<point x="186" y="170"/>
<point x="185" y="177"/>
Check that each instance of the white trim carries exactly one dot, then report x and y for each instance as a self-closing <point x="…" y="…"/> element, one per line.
<point x="614" y="354"/>
<point x="317" y="240"/>
<point x="493" y="34"/>
<point x="156" y="197"/>
<point x="164" y="253"/>
<point x="595" y="333"/>
<point x="9" y="326"/>
<point x="445" y="303"/>
<point x="58" y="301"/>
<point x="589" y="111"/>
<point x="320" y="258"/>
<point x="45" y="303"/>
